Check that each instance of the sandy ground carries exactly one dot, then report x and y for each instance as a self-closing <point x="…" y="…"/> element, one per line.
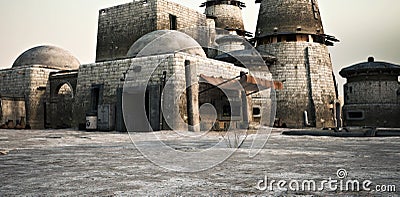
<point x="72" y="163"/>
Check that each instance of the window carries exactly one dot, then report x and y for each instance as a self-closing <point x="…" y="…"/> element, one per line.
<point x="256" y="112"/>
<point x="172" y="22"/>
<point x="355" y="115"/>
<point x="291" y="38"/>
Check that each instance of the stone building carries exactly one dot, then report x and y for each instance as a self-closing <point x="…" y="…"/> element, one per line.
<point x="214" y="76"/>
<point x="120" y="26"/>
<point x="27" y="94"/>
<point x="292" y="31"/>
<point x="372" y="94"/>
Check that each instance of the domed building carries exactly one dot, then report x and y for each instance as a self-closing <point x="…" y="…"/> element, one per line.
<point x="162" y="84"/>
<point x="372" y="94"/>
<point x="159" y="66"/>
<point x="25" y="88"/>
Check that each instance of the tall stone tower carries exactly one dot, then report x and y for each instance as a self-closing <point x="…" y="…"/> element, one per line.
<point x="292" y="31"/>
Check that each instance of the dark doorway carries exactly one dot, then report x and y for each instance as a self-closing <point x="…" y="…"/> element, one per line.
<point x="173" y="25"/>
<point x="96" y="99"/>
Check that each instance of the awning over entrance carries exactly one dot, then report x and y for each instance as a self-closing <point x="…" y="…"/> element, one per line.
<point x="245" y="81"/>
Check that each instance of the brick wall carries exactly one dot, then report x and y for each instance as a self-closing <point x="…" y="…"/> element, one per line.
<point x="300" y="76"/>
<point x="372" y="91"/>
<point x="226" y="16"/>
<point x="287" y="16"/>
<point x="109" y="73"/>
<point x="30" y="83"/>
<point x="120" y="26"/>
<point x="376" y="97"/>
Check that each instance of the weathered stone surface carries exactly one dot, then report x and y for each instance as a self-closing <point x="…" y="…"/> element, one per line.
<point x="50" y="56"/>
<point x="226" y="16"/>
<point x="306" y="72"/>
<point x="289" y="16"/>
<point x="71" y="163"/>
<point x="372" y="94"/>
<point x="150" y="73"/>
<point x="122" y="25"/>
<point x="292" y="31"/>
<point x="28" y="83"/>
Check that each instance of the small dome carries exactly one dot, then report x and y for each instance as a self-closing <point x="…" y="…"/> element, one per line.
<point x="370" y="67"/>
<point x="50" y="56"/>
<point x="163" y="42"/>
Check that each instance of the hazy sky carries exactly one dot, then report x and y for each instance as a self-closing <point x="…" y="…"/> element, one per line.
<point x="365" y="27"/>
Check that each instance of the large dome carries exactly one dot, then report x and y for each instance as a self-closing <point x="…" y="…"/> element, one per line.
<point x="50" y="56"/>
<point x="164" y="42"/>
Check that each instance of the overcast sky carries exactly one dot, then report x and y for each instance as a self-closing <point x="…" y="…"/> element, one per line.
<point x="365" y="27"/>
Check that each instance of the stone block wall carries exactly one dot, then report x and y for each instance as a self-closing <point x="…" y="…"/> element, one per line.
<point x="369" y="91"/>
<point x="289" y="16"/>
<point x="375" y="98"/>
<point x="375" y="115"/>
<point x="14" y="83"/>
<point x="108" y="74"/>
<point x="142" y="72"/>
<point x="227" y="16"/>
<point x="306" y="72"/>
<point x="11" y="109"/>
<point x="186" y="17"/>
<point x="31" y="84"/>
<point x="120" y="26"/>
<point x="39" y="88"/>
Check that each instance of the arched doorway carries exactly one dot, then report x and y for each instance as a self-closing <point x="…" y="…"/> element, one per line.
<point x="61" y="106"/>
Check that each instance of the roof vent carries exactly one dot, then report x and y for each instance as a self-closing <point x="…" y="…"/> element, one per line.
<point x="371" y="59"/>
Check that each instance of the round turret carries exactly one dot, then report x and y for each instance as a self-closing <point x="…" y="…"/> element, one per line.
<point x="291" y="30"/>
<point x="289" y="17"/>
<point x="226" y="14"/>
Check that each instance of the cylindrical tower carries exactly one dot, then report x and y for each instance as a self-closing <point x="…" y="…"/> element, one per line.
<point x="292" y="31"/>
<point x="226" y="14"/>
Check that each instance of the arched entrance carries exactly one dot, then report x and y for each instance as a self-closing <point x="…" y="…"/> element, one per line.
<point x="62" y="93"/>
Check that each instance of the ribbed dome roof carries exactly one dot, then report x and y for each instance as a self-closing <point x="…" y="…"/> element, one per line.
<point x="370" y="67"/>
<point x="50" y="56"/>
<point x="289" y="17"/>
<point x="163" y="42"/>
